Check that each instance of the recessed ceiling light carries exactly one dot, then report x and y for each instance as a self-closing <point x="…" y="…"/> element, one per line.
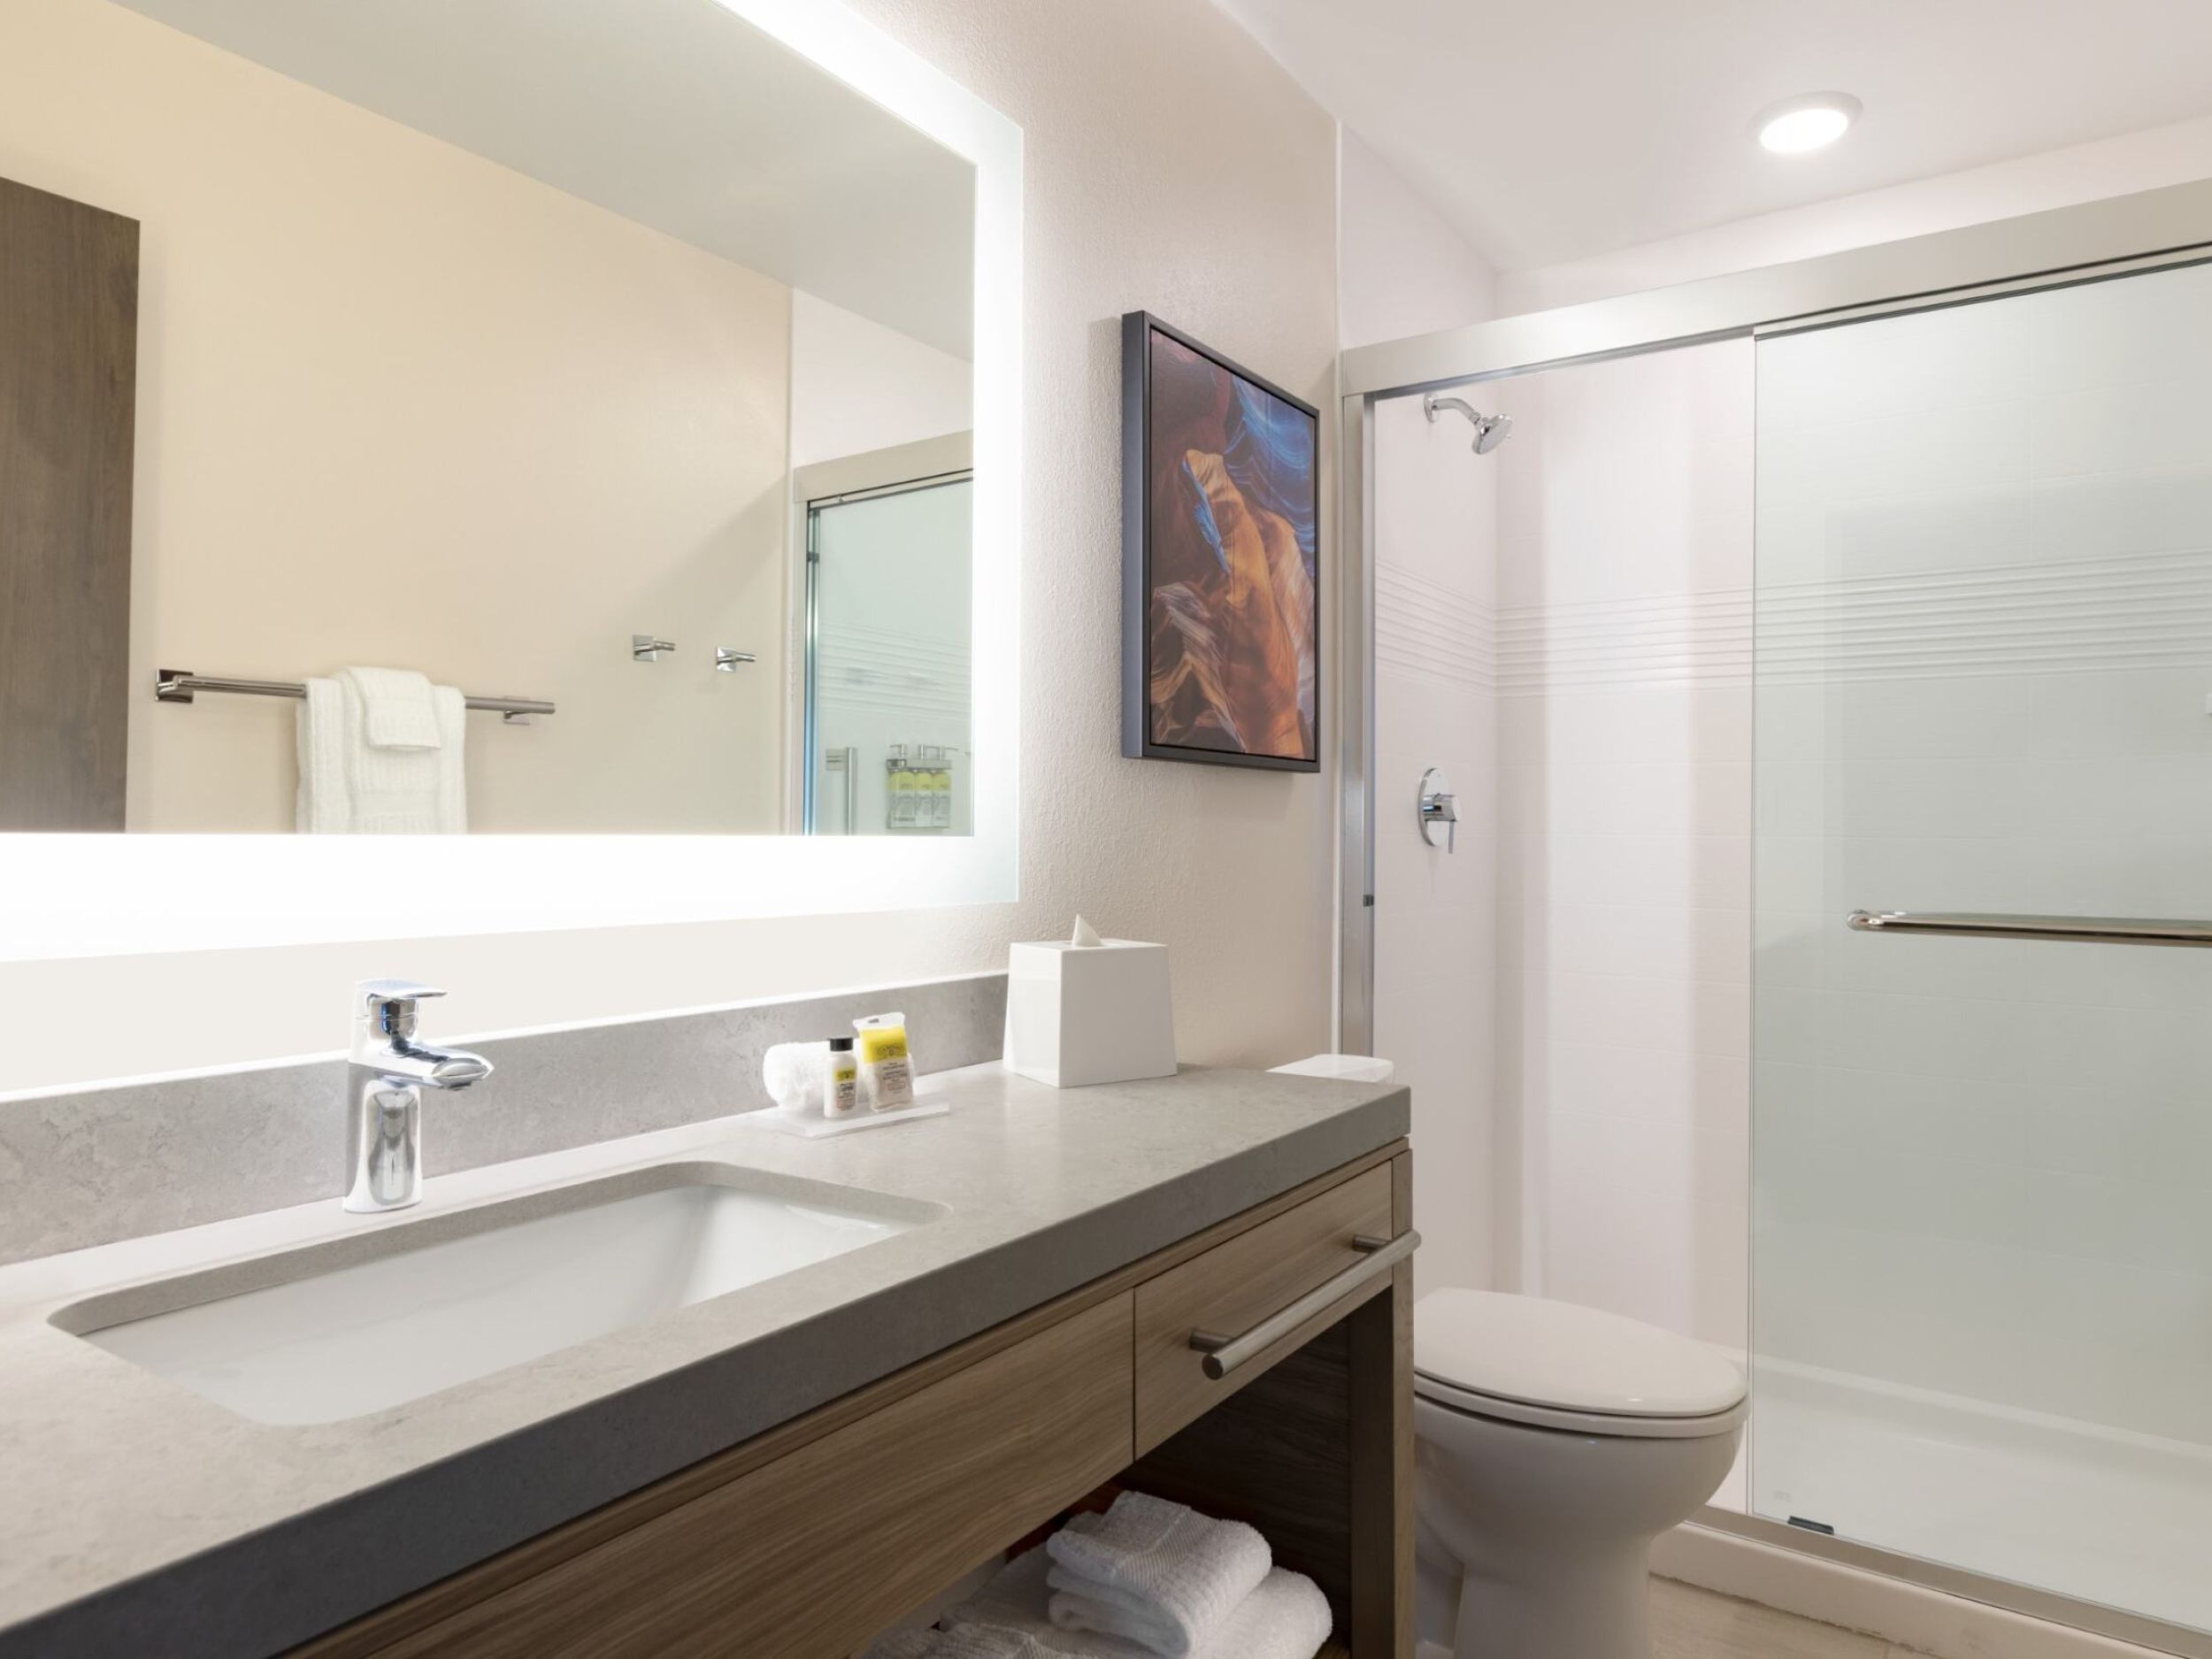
<point x="1812" y="122"/>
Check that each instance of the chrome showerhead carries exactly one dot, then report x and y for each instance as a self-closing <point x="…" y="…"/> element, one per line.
<point x="1490" y="430"/>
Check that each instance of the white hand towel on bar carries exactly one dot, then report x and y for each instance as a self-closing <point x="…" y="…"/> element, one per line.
<point x="1286" y="1618"/>
<point x="397" y="707"/>
<point x="349" y="785"/>
<point x="1155" y="1573"/>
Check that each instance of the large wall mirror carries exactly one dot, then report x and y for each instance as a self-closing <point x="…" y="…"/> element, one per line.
<point x="518" y="419"/>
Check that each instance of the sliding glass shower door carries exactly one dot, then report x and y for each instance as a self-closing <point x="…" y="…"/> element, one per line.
<point x="887" y="719"/>
<point x="1982" y="1258"/>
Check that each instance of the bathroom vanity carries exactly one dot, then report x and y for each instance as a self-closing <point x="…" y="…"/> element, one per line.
<point x="1050" y="1282"/>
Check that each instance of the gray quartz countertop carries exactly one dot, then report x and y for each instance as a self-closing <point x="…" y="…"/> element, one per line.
<point x="137" y="1518"/>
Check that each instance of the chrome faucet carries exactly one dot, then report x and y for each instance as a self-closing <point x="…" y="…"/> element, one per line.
<point x="384" y="1085"/>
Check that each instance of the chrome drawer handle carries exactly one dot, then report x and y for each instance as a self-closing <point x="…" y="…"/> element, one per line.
<point x="1225" y="1354"/>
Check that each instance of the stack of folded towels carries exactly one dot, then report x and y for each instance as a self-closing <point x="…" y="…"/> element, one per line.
<point x="1148" y="1578"/>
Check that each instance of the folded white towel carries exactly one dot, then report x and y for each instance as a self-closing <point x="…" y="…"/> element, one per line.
<point x="396" y="710"/>
<point x="349" y="785"/>
<point x="1286" y="1618"/>
<point x="1017" y="1598"/>
<point x="1155" y="1573"/>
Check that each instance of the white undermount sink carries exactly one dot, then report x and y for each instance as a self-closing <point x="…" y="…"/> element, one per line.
<point x="361" y="1324"/>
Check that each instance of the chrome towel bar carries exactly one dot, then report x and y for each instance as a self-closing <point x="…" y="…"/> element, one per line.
<point x="177" y="685"/>
<point x="1225" y="1354"/>
<point x="2093" y="930"/>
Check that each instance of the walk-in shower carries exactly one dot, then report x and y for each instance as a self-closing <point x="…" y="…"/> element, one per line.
<point x="1825" y="669"/>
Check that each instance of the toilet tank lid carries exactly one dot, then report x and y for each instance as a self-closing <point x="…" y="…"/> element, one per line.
<point x="1357" y="1068"/>
<point x="1557" y="1354"/>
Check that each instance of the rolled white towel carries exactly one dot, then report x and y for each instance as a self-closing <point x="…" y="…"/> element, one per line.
<point x="1155" y="1573"/>
<point x="1286" y="1617"/>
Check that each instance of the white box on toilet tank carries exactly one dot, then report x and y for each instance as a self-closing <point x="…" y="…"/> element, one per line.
<point x="1089" y="1013"/>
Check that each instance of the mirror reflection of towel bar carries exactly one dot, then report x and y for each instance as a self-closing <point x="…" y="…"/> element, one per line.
<point x="2093" y="930"/>
<point x="177" y="685"/>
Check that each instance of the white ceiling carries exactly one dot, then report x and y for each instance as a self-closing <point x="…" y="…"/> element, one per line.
<point x="1549" y="130"/>
<point x="674" y="114"/>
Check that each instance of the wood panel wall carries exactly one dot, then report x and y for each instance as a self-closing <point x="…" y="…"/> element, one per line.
<point x="68" y="405"/>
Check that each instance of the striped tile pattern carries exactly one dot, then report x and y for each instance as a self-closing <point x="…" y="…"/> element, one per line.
<point x="1429" y="632"/>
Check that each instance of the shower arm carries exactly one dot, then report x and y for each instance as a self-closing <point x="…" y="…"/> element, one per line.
<point x="1432" y="402"/>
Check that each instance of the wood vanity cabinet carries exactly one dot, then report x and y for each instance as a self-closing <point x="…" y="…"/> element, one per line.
<point x="809" y="1540"/>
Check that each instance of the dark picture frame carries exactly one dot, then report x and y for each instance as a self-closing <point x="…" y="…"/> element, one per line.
<point x="1221" y="558"/>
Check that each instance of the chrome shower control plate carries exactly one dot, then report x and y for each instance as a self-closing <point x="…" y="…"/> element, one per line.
<point x="1437" y="809"/>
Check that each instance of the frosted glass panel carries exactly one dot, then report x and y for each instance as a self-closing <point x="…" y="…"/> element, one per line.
<point x="1982" y="1262"/>
<point x="888" y="664"/>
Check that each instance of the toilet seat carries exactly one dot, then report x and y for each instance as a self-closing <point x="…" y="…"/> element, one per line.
<point x="1617" y="1427"/>
<point x="1556" y="1365"/>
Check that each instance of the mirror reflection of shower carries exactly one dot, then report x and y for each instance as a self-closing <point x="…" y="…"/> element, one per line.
<point x="1490" y="430"/>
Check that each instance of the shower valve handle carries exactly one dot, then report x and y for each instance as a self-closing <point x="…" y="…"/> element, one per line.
<point x="1438" y="805"/>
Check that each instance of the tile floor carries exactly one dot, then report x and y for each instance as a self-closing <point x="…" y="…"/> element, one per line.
<point x="1691" y="1624"/>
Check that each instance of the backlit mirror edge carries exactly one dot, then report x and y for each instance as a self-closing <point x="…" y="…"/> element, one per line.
<point x="114" y="894"/>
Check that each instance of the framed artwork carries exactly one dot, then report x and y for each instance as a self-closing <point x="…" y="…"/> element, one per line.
<point x="1221" y="511"/>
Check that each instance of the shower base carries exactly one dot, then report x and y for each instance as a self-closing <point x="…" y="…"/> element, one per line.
<point x="2091" y="1513"/>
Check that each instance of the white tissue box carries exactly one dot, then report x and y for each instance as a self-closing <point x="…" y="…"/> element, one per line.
<point x="1080" y="1014"/>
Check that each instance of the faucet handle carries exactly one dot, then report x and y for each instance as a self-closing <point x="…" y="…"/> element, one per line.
<point x="389" y="1004"/>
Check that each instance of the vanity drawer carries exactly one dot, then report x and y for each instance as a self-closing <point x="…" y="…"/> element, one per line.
<point x="814" y="1551"/>
<point x="1240" y="1283"/>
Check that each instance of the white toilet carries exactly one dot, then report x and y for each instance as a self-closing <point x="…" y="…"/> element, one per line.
<point x="1555" y="1443"/>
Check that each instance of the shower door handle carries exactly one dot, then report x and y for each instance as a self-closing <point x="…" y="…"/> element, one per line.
<point x="2091" y="930"/>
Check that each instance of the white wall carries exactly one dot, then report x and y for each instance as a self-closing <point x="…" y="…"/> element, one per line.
<point x="2059" y="178"/>
<point x="857" y="386"/>
<point x="1405" y="270"/>
<point x="1982" y="580"/>
<point x="1172" y="164"/>
<point x="1402" y="268"/>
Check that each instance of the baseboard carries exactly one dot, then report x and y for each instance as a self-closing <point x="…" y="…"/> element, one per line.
<point x="1909" y="1615"/>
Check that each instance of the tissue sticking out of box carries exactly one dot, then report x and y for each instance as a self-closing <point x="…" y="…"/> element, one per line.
<point x="1084" y="933"/>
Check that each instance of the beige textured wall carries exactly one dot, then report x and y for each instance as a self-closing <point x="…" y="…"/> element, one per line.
<point x="1170" y="165"/>
<point x="399" y="405"/>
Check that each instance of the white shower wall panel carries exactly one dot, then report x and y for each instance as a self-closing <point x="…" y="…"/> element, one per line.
<point x="1625" y="803"/>
<point x="1563" y="624"/>
<point x="1436" y="910"/>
